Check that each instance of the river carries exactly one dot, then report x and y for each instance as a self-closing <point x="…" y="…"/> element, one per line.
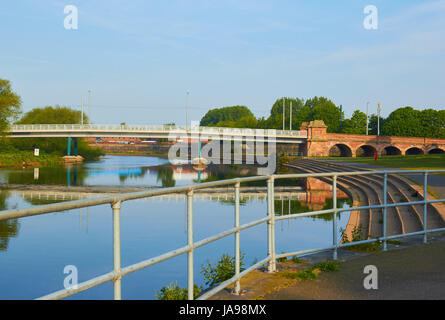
<point x="35" y="250"/>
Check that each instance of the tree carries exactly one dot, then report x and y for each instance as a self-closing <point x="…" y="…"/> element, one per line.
<point x="54" y="115"/>
<point x="10" y="104"/>
<point x="432" y="123"/>
<point x="300" y="114"/>
<point x="216" y="115"/>
<point x="355" y="125"/>
<point x="405" y="122"/>
<point x="324" y="109"/>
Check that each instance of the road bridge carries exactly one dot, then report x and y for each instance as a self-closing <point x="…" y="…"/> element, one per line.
<point x="311" y="140"/>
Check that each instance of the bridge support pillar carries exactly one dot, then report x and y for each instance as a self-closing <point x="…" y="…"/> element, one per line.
<point x="68" y="150"/>
<point x="75" y="147"/>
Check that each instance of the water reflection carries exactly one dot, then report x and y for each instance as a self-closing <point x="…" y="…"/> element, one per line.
<point x="124" y="171"/>
<point x="149" y="226"/>
<point x="8" y="228"/>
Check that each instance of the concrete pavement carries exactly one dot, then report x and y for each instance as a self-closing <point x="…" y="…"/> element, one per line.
<point x="414" y="271"/>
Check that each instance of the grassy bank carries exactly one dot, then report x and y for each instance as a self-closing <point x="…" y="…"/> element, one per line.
<point x="18" y="158"/>
<point x="420" y="162"/>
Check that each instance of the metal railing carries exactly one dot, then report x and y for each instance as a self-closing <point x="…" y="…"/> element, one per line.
<point x="115" y="201"/>
<point x="154" y="128"/>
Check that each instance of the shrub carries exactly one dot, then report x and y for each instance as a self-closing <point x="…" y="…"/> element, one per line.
<point x="304" y="275"/>
<point x="222" y="271"/>
<point x="175" y="292"/>
<point x="327" y="266"/>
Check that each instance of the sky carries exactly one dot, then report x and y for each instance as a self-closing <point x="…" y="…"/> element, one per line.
<point x="140" y="58"/>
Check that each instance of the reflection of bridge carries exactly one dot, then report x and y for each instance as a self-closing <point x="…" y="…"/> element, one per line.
<point x="312" y="138"/>
<point x="317" y="198"/>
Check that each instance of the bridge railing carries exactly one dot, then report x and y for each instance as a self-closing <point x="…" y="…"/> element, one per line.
<point x="153" y="128"/>
<point x="115" y="201"/>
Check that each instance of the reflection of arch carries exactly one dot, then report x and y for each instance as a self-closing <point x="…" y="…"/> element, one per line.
<point x="365" y="151"/>
<point x="391" y="151"/>
<point x="340" y="150"/>
<point x="413" y="151"/>
<point x="436" y="151"/>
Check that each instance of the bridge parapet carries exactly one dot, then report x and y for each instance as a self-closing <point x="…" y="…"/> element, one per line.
<point x="86" y="130"/>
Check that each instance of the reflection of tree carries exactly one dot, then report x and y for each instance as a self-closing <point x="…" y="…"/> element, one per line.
<point x="124" y="176"/>
<point x="165" y="175"/>
<point x="329" y="205"/>
<point x="8" y="228"/>
<point x="282" y="207"/>
<point x="54" y="175"/>
<point x="231" y="201"/>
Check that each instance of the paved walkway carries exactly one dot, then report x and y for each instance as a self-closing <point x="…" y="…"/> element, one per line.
<point x="411" y="272"/>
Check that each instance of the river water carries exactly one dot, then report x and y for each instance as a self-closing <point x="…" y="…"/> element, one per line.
<point x="35" y="250"/>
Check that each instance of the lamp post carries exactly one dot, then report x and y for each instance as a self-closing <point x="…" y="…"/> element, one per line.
<point x="89" y="106"/>
<point x="379" y="107"/>
<point x="290" y="112"/>
<point x="367" y="118"/>
<point x="81" y="115"/>
<point x="187" y="113"/>
<point x="284" y="111"/>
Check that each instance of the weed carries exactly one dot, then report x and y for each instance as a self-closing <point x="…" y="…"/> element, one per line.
<point x="297" y="260"/>
<point x="357" y="235"/>
<point x="175" y="292"/>
<point x="395" y="242"/>
<point x="222" y="271"/>
<point x="304" y="275"/>
<point x="327" y="266"/>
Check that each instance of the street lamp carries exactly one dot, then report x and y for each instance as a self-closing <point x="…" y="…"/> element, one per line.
<point x="284" y="111"/>
<point x="367" y="118"/>
<point x="187" y="113"/>
<point x="379" y="107"/>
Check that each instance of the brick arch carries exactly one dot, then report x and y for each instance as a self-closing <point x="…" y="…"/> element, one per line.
<point x="435" y="150"/>
<point x="366" y="150"/>
<point x="391" y="149"/>
<point x="344" y="148"/>
<point x="413" y="150"/>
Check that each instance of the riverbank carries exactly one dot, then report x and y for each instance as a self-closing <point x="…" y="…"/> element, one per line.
<point x="20" y="159"/>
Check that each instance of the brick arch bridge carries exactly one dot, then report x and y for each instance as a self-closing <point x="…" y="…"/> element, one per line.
<point x="320" y="143"/>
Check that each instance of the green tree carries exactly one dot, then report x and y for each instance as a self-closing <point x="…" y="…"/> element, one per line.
<point x="234" y="113"/>
<point x="373" y="124"/>
<point x="405" y="122"/>
<point x="54" y="115"/>
<point x="300" y="113"/>
<point x="324" y="109"/>
<point x="355" y="125"/>
<point x="432" y="122"/>
<point x="10" y="104"/>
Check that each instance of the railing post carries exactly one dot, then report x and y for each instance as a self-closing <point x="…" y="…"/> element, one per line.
<point x="271" y="225"/>
<point x="237" y="288"/>
<point x="190" y="244"/>
<point x="117" y="249"/>
<point x="425" y="206"/>
<point x="385" y="202"/>
<point x="334" y="219"/>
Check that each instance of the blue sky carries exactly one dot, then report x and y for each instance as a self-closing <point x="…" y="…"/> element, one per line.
<point x="139" y="58"/>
